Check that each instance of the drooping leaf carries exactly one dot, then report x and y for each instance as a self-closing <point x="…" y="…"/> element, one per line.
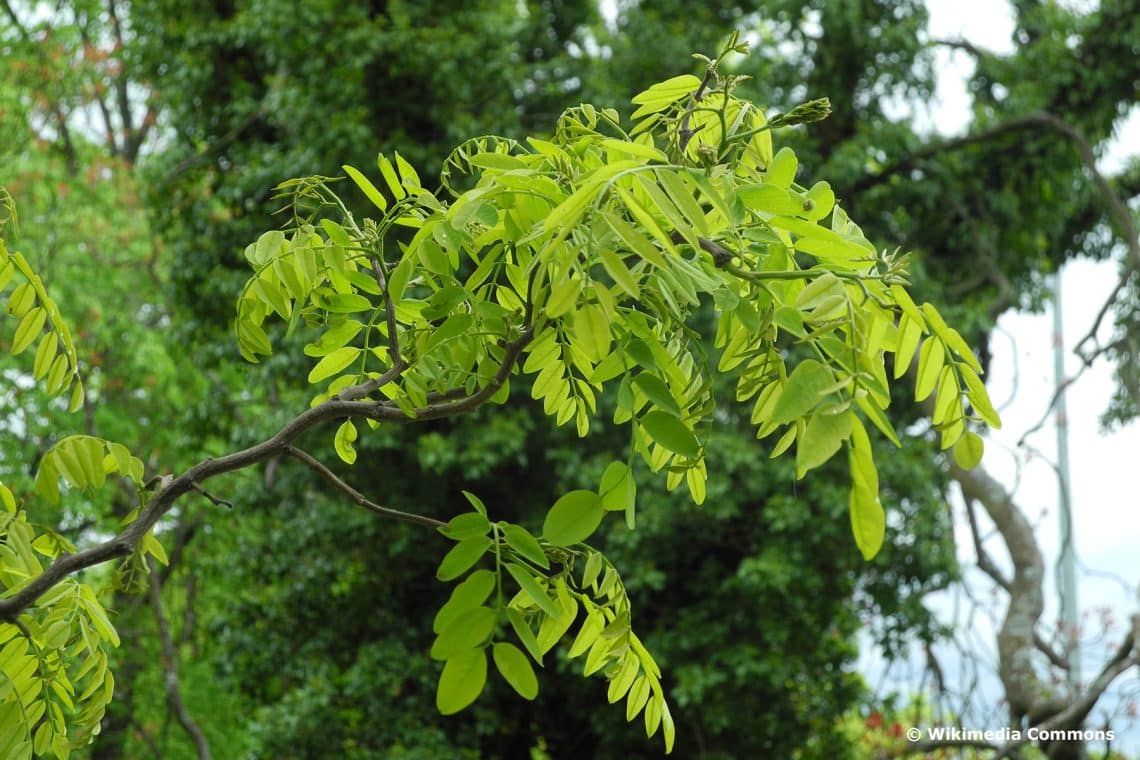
<point x="462" y="681"/>
<point x="515" y="669"/>
<point x="803" y="391"/>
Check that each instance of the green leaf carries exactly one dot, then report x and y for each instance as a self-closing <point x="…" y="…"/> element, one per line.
<point x="619" y="272"/>
<point x="657" y="392"/>
<point x="45" y="355"/>
<point x="390" y="179"/>
<point x="951" y="337"/>
<point x="333" y="363"/>
<point x="618" y="490"/>
<point x="467" y="630"/>
<point x="21" y="300"/>
<point x="910" y="335"/>
<point x="782" y="170"/>
<point x="669" y="431"/>
<point x="930" y="359"/>
<point x="573" y="518"/>
<point x="822" y="199"/>
<point x="461" y="557"/>
<point x="638" y="695"/>
<point x="968" y="450"/>
<point x="770" y="199"/>
<point x="823" y="436"/>
<point x="461" y="682"/>
<point x="525" y="634"/>
<point x="334" y="338"/>
<point x="562" y="297"/>
<point x="466" y="525"/>
<point x="29" y="329"/>
<point x="472" y="592"/>
<point x="592" y="330"/>
<point x="868" y="521"/>
<point x="367" y="187"/>
<point x="803" y="390"/>
<point x="532" y="589"/>
<point x="520" y="539"/>
<point x="589" y="632"/>
<point x="515" y="669"/>
<point x="980" y="399"/>
<point x="668" y="729"/>
<point x="342" y="442"/>
<point x="476" y="502"/>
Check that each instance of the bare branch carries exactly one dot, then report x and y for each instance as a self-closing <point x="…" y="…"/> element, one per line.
<point x="1126" y="656"/>
<point x="357" y="497"/>
<point x="964" y="45"/>
<point x="215" y="500"/>
<point x="169" y="658"/>
<point x="214" y="148"/>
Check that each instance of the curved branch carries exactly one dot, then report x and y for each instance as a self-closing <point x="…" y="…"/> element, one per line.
<point x="173" y="487"/>
<point x="1126" y="656"/>
<point x="318" y="467"/>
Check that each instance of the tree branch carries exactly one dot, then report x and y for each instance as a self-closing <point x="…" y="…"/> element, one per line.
<point x="1126" y="656"/>
<point x="171" y="488"/>
<point x="170" y="681"/>
<point x="357" y="497"/>
<point x="69" y="152"/>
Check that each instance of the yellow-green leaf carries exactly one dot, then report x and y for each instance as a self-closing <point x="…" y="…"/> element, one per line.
<point x="342" y="442"/>
<point x="930" y="359"/>
<point x="823" y="436"/>
<point x="669" y="431"/>
<point x="367" y="187"/>
<point x="573" y="518"/>
<point x="968" y="450"/>
<point x="29" y="329"/>
<point x="333" y="363"/>
<point x="515" y="669"/>
<point x="461" y="682"/>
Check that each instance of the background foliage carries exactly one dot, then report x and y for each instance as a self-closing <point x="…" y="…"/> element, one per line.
<point x="303" y="623"/>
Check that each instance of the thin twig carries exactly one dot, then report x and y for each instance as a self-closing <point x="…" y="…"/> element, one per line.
<point x="216" y="500"/>
<point x="169" y="658"/>
<point x="357" y="497"/>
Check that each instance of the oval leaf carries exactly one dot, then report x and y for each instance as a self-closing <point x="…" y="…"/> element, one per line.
<point x="461" y="557"/>
<point x="968" y="451"/>
<point x="333" y="363"/>
<point x="467" y="630"/>
<point x="668" y="430"/>
<point x="515" y="669"/>
<point x="573" y="518"/>
<point x="461" y="682"/>
<point x="520" y="539"/>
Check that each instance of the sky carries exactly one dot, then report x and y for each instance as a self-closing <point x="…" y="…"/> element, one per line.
<point x="1021" y="382"/>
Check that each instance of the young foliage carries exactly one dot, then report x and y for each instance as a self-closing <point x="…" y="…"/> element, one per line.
<point x="55" y="682"/>
<point x="582" y="261"/>
<point x="37" y="320"/>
